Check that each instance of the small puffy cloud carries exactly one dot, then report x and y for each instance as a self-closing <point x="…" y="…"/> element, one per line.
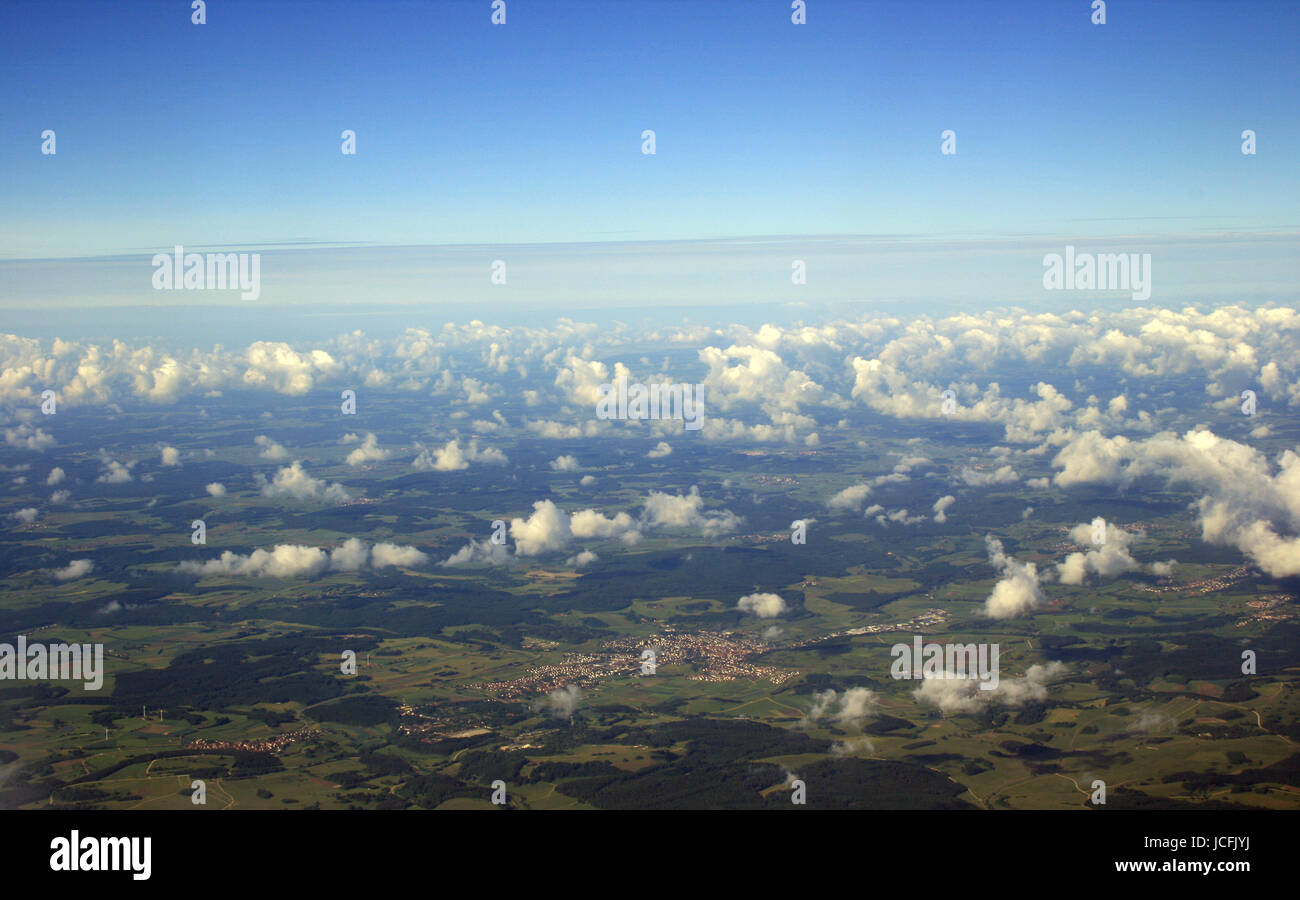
<point x="587" y="480"/>
<point x="169" y="456"/>
<point x="452" y="457"/>
<point x="765" y="606"/>
<point x="216" y="489"/>
<point x="1017" y="591"/>
<point x="900" y="517"/>
<point x="60" y="496"/>
<point x="565" y="431"/>
<point x="1000" y="475"/>
<point x="26" y="515"/>
<point x="549" y="529"/>
<point x="545" y="531"/>
<point x="851" y="498"/>
<point x="369" y="451"/>
<point x="78" y="568"/>
<point x="589" y="523"/>
<point x="687" y="511"/>
<point x="386" y="554"/>
<point x="276" y="365"/>
<point x="1090" y="458"/>
<point x="954" y="694"/>
<point x="447" y="459"/>
<point x="270" y="449"/>
<point x="941" y="508"/>
<point x="565" y="464"/>
<point x="293" y="481"/>
<point x="350" y="556"/>
<point x="661" y="449"/>
<point x="1105" y="561"/>
<point x="113" y="471"/>
<point x="25" y="437"/>
<point x="855" y="705"/>
<point x="56" y="476"/>
<point x="563" y="701"/>
<point x="482" y="425"/>
<point x="579" y="560"/>
<point x="476" y="392"/>
<point x="908" y="463"/>
<point x="580" y="379"/>
<point x="478" y="552"/>
<point x="282" y="561"/>
<point x="1162" y="569"/>
<point x="847" y="709"/>
<point x="299" y="560"/>
<point x="1076" y="567"/>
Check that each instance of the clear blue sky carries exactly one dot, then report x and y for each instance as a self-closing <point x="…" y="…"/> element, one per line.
<point x="228" y="133"/>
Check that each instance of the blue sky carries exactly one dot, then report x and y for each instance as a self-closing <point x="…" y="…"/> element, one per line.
<point x="229" y="133"/>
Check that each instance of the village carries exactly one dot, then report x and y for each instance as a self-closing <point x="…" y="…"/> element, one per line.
<point x="717" y="656"/>
<point x="270" y="745"/>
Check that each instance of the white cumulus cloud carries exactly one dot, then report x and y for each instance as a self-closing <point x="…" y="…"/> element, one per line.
<point x="763" y="605"/>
